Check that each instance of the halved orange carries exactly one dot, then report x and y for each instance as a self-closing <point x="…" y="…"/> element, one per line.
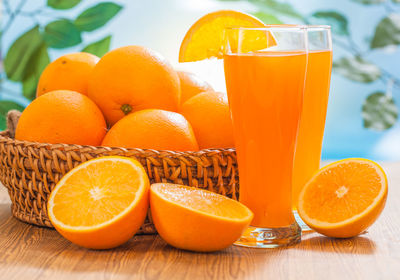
<point x="205" y="38"/>
<point x="195" y="219"/>
<point x="101" y="203"/>
<point x="344" y="198"/>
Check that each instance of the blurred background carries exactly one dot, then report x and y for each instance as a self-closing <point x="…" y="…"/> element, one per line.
<point x="362" y="118"/>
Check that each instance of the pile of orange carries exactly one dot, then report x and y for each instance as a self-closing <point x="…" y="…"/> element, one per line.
<point x="143" y="100"/>
<point x="131" y="97"/>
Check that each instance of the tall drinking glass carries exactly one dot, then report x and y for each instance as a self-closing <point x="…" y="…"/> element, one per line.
<point x="265" y="73"/>
<point x="315" y="103"/>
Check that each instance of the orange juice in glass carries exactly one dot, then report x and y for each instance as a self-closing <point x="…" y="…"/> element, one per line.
<point x="265" y="91"/>
<point x="315" y="103"/>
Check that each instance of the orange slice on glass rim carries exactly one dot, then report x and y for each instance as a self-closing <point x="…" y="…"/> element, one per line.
<point x="344" y="198"/>
<point x="205" y="38"/>
<point x="101" y="203"/>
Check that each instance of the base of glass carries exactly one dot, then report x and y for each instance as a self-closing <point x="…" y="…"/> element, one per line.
<point x="304" y="227"/>
<point x="255" y="237"/>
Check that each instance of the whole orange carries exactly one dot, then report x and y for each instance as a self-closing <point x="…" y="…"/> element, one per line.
<point x="62" y="116"/>
<point x="208" y="113"/>
<point x="191" y="85"/>
<point x="133" y="78"/>
<point x="152" y="129"/>
<point x="70" y="72"/>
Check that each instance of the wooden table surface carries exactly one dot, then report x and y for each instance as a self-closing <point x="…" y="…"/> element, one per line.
<point x="30" y="252"/>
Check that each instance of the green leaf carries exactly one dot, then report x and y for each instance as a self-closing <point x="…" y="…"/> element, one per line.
<point x="61" y="34"/>
<point x="96" y="16"/>
<point x="337" y="21"/>
<point x="369" y="2"/>
<point x="38" y="62"/>
<point x="357" y="69"/>
<point x="267" y="18"/>
<point x="387" y="32"/>
<point x="396" y="1"/>
<point x="20" y="52"/>
<point x="379" y="112"/>
<point x="5" y="106"/>
<point x="29" y="87"/>
<point x="62" y="4"/>
<point x="275" y="6"/>
<point x="100" y="47"/>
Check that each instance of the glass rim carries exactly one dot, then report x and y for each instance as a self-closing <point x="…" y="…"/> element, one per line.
<point x="322" y="26"/>
<point x="289" y="27"/>
<point x="282" y="27"/>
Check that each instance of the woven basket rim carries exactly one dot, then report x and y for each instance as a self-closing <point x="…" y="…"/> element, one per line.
<point x="5" y="137"/>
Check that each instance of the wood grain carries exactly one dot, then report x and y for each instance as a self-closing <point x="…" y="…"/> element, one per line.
<point x="29" y="252"/>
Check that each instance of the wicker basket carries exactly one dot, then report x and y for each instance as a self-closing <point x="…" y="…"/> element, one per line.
<point x="30" y="170"/>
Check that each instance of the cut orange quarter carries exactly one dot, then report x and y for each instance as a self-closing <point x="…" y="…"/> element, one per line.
<point x="344" y="198"/>
<point x="205" y="38"/>
<point x="197" y="220"/>
<point x="101" y="203"/>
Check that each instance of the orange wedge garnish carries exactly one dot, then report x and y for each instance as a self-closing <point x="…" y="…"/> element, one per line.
<point x="197" y="220"/>
<point x="205" y="38"/>
<point x="344" y="198"/>
<point x="101" y="203"/>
